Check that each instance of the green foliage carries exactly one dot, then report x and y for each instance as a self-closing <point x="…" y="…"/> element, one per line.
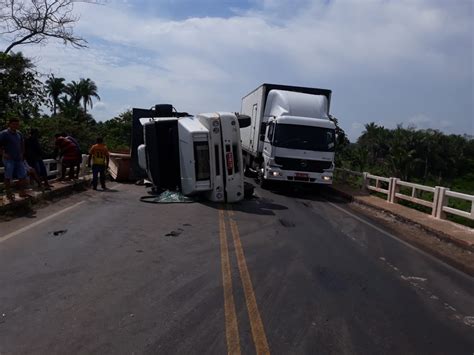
<point x="428" y="157"/>
<point x="55" y="88"/>
<point x="21" y="91"/>
<point x="117" y="132"/>
<point x="84" y="132"/>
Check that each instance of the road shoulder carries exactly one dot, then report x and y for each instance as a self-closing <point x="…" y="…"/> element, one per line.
<point x="424" y="236"/>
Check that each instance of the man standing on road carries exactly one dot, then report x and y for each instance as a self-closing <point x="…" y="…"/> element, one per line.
<point x="99" y="154"/>
<point x="12" y="146"/>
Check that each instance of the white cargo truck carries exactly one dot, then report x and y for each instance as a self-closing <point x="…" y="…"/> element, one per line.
<point x="194" y="154"/>
<point x="291" y="137"/>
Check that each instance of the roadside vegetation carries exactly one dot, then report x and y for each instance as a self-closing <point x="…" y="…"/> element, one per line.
<point x="425" y="156"/>
<point x="53" y="105"/>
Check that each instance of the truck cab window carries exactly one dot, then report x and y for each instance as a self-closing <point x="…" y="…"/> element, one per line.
<point x="201" y="157"/>
<point x="271" y="129"/>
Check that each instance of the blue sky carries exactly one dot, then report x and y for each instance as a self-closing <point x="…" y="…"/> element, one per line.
<point x="387" y="61"/>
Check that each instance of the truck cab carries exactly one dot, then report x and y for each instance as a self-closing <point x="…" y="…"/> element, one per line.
<point x="298" y="149"/>
<point x="291" y="137"/>
<point x="194" y="154"/>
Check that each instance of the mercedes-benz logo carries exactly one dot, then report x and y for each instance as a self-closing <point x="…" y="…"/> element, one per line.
<point x="304" y="163"/>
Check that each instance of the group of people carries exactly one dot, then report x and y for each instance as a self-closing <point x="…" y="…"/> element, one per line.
<point x="23" y="158"/>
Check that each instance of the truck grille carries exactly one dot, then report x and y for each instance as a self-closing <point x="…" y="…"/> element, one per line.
<point x="315" y="166"/>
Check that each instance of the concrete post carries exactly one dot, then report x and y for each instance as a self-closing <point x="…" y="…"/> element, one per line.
<point x="365" y="181"/>
<point x="395" y="189"/>
<point x="436" y="194"/>
<point x="82" y="172"/>
<point x="59" y="167"/>
<point x="390" y="190"/>
<point x="442" y="201"/>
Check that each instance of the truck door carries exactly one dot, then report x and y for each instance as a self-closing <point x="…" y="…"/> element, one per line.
<point x="267" y="143"/>
<point x="254" y="132"/>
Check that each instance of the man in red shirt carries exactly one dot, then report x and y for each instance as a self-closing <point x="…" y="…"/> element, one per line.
<point x="69" y="154"/>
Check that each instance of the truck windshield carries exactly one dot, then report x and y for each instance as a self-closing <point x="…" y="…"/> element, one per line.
<point x="304" y="137"/>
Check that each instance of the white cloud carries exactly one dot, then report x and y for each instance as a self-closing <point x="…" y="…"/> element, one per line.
<point x="383" y="59"/>
<point x="100" y="106"/>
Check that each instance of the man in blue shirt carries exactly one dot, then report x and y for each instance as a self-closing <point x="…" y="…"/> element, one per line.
<point x="12" y="147"/>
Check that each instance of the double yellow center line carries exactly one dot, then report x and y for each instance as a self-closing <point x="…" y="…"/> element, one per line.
<point x="256" y="324"/>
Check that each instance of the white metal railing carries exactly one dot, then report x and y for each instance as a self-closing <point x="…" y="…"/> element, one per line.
<point x="378" y="186"/>
<point x="53" y="168"/>
<point x="442" y="207"/>
<point x="438" y="203"/>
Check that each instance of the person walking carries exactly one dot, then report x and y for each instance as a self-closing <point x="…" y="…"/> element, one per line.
<point x="12" y="148"/>
<point x="34" y="157"/>
<point x="99" y="154"/>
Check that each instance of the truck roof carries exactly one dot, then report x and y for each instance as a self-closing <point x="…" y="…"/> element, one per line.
<point x="307" y="90"/>
<point x="290" y="103"/>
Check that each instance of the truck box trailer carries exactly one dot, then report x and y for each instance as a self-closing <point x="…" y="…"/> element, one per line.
<point x="291" y="137"/>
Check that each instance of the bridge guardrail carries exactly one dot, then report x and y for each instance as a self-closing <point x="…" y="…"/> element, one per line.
<point x="53" y="168"/>
<point x="438" y="203"/>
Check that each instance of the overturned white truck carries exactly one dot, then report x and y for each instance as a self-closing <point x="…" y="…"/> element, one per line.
<point x="194" y="154"/>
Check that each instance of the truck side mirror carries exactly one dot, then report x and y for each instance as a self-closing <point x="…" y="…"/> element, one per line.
<point x="244" y="121"/>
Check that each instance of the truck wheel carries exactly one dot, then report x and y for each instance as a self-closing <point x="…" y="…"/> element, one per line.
<point x="264" y="183"/>
<point x="247" y="171"/>
<point x="248" y="190"/>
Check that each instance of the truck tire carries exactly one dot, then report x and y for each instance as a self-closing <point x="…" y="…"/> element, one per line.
<point x="248" y="172"/>
<point x="264" y="183"/>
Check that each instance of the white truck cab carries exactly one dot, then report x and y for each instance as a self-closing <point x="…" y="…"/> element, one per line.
<point x="291" y="137"/>
<point x="197" y="154"/>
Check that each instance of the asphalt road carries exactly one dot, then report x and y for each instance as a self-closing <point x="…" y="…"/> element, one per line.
<point x="286" y="272"/>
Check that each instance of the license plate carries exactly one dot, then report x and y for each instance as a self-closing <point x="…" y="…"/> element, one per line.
<point x="301" y="175"/>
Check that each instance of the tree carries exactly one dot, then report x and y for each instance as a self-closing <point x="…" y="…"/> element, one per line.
<point x="21" y="92"/>
<point x="87" y="90"/>
<point x="35" y="21"/>
<point x="374" y="139"/>
<point x="73" y="89"/>
<point x="55" y="87"/>
<point x="117" y="132"/>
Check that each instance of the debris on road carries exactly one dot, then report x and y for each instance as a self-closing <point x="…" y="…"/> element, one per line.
<point x="167" y="196"/>
<point x="174" y="233"/>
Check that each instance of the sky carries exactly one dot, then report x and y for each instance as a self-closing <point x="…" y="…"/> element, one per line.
<point x="390" y="62"/>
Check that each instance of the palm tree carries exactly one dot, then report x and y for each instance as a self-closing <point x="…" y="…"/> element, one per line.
<point x="88" y="90"/>
<point x="73" y="89"/>
<point x="372" y="139"/>
<point x="55" y="87"/>
<point x="69" y="108"/>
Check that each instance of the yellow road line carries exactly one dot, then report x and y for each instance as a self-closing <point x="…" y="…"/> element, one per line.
<point x="231" y="328"/>
<point x="256" y="324"/>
